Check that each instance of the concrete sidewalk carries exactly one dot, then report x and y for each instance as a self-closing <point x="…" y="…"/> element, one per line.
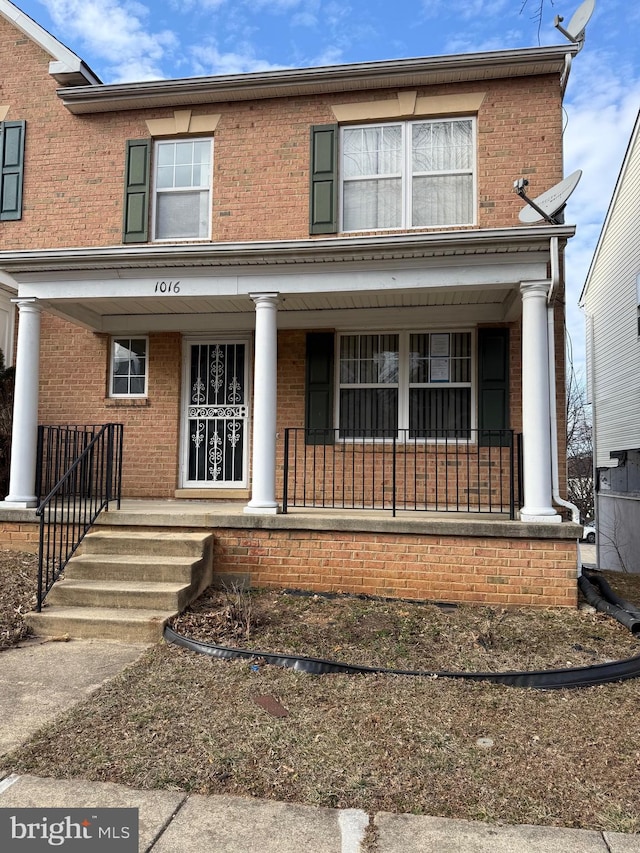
<point x="38" y="681"/>
<point x="176" y="823"/>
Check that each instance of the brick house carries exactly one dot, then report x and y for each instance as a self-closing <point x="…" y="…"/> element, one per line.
<point x="305" y="290"/>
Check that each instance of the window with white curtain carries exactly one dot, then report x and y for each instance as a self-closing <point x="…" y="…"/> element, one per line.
<point x="415" y="381"/>
<point x="182" y="189"/>
<point x="408" y="174"/>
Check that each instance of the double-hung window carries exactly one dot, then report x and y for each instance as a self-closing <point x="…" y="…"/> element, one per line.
<point x="129" y="367"/>
<point x="182" y="189"/>
<point x="415" y="382"/>
<point x="408" y="174"/>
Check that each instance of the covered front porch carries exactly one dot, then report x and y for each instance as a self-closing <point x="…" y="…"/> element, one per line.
<point x="411" y="427"/>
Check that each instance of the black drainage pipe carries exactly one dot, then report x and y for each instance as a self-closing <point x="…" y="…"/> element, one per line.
<point x="585" y="676"/>
<point x="608" y="594"/>
<point x="600" y="603"/>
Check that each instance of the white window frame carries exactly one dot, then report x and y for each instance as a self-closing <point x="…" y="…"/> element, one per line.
<point x="112" y="344"/>
<point x="202" y="188"/>
<point x="404" y="384"/>
<point x="406" y="175"/>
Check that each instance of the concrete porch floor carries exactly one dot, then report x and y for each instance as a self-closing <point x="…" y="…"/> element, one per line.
<point x="231" y="514"/>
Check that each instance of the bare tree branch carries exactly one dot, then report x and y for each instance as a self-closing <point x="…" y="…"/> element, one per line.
<point x="538" y="9"/>
<point x="579" y="447"/>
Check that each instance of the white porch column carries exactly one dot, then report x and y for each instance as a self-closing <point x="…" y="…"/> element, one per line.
<point x="536" y="421"/>
<point x="24" y="441"/>
<point x="265" y="386"/>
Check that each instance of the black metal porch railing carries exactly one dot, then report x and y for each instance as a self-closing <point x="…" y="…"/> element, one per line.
<point x="80" y="472"/>
<point x="448" y="471"/>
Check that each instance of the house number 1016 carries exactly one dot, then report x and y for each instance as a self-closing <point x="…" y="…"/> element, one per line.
<point x="167" y="287"/>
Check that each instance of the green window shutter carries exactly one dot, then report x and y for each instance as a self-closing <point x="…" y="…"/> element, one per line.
<point x="319" y="388"/>
<point x="12" y="135"/>
<point x="493" y="385"/>
<point x="135" y="227"/>
<point x="323" y="191"/>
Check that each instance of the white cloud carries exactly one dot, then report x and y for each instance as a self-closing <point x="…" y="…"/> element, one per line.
<point x="275" y="5"/>
<point x="331" y="55"/>
<point x="183" y="6"/>
<point x="210" y="60"/>
<point x="116" y="31"/>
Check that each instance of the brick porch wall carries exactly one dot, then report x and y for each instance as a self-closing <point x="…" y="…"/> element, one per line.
<point x="475" y="570"/>
<point x="20" y="536"/>
<point x="540" y="573"/>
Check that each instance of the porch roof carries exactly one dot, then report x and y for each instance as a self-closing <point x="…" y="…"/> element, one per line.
<point x="25" y="264"/>
<point x="467" y="276"/>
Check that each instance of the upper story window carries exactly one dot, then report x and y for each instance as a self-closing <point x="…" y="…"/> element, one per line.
<point x="168" y="185"/>
<point x="408" y="175"/>
<point x="182" y="189"/>
<point x="129" y="363"/>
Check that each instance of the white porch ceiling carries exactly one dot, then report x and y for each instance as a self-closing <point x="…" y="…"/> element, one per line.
<point x="320" y="310"/>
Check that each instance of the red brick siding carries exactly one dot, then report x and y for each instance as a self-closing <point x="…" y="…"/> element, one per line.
<point x="73" y="188"/>
<point x="20" y="536"/>
<point x="479" y="570"/>
<point x="73" y="389"/>
<point x="439" y="568"/>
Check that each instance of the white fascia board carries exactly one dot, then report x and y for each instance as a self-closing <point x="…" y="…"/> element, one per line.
<point x="462" y="247"/>
<point x="66" y="67"/>
<point x="294" y="281"/>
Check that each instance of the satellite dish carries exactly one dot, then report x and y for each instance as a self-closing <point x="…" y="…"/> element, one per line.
<point x="550" y="204"/>
<point x="577" y="25"/>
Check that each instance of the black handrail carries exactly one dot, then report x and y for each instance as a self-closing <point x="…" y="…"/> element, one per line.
<point x="441" y="470"/>
<point x="89" y="483"/>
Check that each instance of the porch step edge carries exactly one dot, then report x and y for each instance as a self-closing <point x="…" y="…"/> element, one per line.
<point x="100" y="623"/>
<point x="148" y="543"/>
<point x="139" y="568"/>
<point x="123" y="595"/>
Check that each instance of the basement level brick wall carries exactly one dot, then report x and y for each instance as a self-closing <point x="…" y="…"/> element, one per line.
<point x="455" y="569"/>
<point x="20" y="536"/>
<point x="538" y="573"/>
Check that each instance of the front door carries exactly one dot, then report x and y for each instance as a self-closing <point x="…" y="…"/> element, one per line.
<point x="215" y="434"/>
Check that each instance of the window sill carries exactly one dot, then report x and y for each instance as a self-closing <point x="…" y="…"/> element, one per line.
<point x="126" y="402"/>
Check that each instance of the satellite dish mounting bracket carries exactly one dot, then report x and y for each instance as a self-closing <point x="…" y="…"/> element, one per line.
<point x="575" y="29"/>
<point x="556" y="219"/>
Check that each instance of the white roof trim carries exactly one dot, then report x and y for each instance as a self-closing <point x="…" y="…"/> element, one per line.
<point x="332" y="250"/>
<point x="66" y="68"/>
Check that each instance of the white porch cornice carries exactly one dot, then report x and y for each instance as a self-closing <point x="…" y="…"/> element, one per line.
<point x="334" y="250"/>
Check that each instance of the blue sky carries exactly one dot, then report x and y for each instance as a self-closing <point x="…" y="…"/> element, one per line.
<point x="124" y="40"/>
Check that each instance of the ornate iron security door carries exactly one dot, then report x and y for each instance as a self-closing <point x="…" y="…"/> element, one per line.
<point x="217" y="415"/>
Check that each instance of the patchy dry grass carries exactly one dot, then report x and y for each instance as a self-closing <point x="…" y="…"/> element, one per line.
<point x="18" y="585"/>
<point x="179" y="720"/>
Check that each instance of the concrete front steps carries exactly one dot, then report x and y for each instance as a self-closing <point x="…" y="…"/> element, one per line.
<point x="126" y="584"/>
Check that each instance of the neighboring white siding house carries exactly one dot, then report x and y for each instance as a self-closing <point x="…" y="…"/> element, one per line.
<point x="611" y="300"/>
